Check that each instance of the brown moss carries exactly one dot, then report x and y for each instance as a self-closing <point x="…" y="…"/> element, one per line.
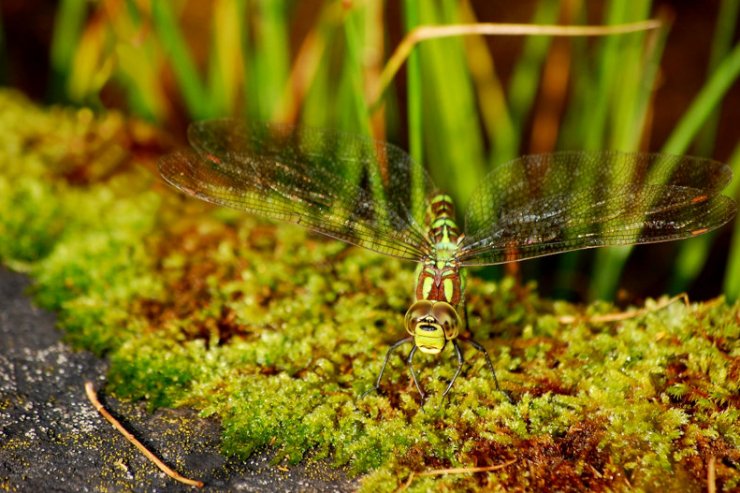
<point x="576" y="461"/>
<point x="726" y="462"/>
<point x="187" y="290"/>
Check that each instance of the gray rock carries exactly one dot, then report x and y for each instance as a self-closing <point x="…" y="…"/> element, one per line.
<point x="52" y="439"/>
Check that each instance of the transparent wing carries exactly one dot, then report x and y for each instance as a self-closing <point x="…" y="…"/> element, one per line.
<point x="345" y="186"/>
<point x="552" y="203"/>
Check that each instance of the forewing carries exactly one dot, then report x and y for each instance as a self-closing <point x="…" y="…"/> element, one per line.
<point x="345" y="186"/>
<point x="552" y="203"/>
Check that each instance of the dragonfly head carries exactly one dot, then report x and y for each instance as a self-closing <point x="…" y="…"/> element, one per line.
<point x="432" y="323"/>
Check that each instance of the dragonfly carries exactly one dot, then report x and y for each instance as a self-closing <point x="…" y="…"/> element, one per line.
<point x="371" y="194"/>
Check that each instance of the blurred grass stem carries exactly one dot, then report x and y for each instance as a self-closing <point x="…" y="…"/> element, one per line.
<point x="423" y="33"/>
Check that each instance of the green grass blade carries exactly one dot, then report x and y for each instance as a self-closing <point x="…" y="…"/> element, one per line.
<point x="452" y="138"/>
<point x="727" y="19"/>
<point x="524" y="83"/>
<point x="732" y="273"/>
<point x="709" y="97"/>
<point x="594" y="134"/>
<point x="355" y="116"/>
<point x="68" y="24"/>
<point x="494" y="110"/>
<point x="186" y="74"/>
<point x="139" y="64"/>
<point x="317" y="104"/>
<point x="504" y="132"/>
<point x="140" y="81"/>
<point x="357" y="28"/>
<point x="694" y="253"/>
<point x="338" y="101"/>
<point x="610" y="106"/>
<point x="629" y="105"/>
<point x="610" y="65"/>
<point x="414" y="95"/>
<point x="226" y="58"/>
<point x="270" y="59"/>
<point x="353" y="68"/>
<point x="320" y="101"/>
<point x="347" y="112"/>
<point x="688" y="127"/>
<point x="580" y="92"/>
<point x="629" y="109"/>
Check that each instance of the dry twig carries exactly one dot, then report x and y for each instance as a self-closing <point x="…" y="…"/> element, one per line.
<point x="422" y="33"/>
<point x="90" y="390"/>
<point x="617" y="317"/>
<point x="454" y="470"/>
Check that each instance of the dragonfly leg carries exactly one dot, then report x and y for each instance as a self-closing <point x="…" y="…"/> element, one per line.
<point x="480" y="348"/>
<point x="410" y="362"/>
<point x="385" y="363"/>
<point x="459" y="366"/>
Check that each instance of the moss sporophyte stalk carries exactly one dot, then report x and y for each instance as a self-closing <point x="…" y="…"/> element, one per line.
<point x="277" y="332"/>
<point x="366" y="193"/>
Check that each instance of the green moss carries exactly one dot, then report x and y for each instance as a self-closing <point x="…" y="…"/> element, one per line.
<point x="279" y="332"/>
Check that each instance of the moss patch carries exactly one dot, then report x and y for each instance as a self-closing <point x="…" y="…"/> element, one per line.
<point x="278" y="332"/>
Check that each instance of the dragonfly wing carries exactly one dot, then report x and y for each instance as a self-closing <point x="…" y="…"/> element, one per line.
<point x="547" y="204"/>
<point x="345" y="186"/>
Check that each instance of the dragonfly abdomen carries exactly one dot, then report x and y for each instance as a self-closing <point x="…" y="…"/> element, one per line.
<point x="441" y="224"/>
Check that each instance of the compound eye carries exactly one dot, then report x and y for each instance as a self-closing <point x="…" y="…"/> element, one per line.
<point x="448" y="318"/>
<point x="418" y="310"/>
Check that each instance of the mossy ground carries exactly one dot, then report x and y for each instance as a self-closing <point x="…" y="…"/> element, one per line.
<point x="278" y="332"/>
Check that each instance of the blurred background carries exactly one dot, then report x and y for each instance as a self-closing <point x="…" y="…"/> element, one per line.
<point x="460" y="105"/>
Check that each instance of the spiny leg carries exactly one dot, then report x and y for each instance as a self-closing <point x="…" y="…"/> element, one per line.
<point x="480" y="348"/>
<point x="459" y="367"/>
<point x="410" y="364"/>
<point x="385" y="363"/>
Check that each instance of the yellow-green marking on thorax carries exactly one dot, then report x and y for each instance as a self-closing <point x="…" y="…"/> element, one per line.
<point x="438" y="276"/>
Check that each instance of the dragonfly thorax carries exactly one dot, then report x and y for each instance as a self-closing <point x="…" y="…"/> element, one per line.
<point x="439" y="276"/>
<point x="432" y="324"/>
<point x="439" y="280"/>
